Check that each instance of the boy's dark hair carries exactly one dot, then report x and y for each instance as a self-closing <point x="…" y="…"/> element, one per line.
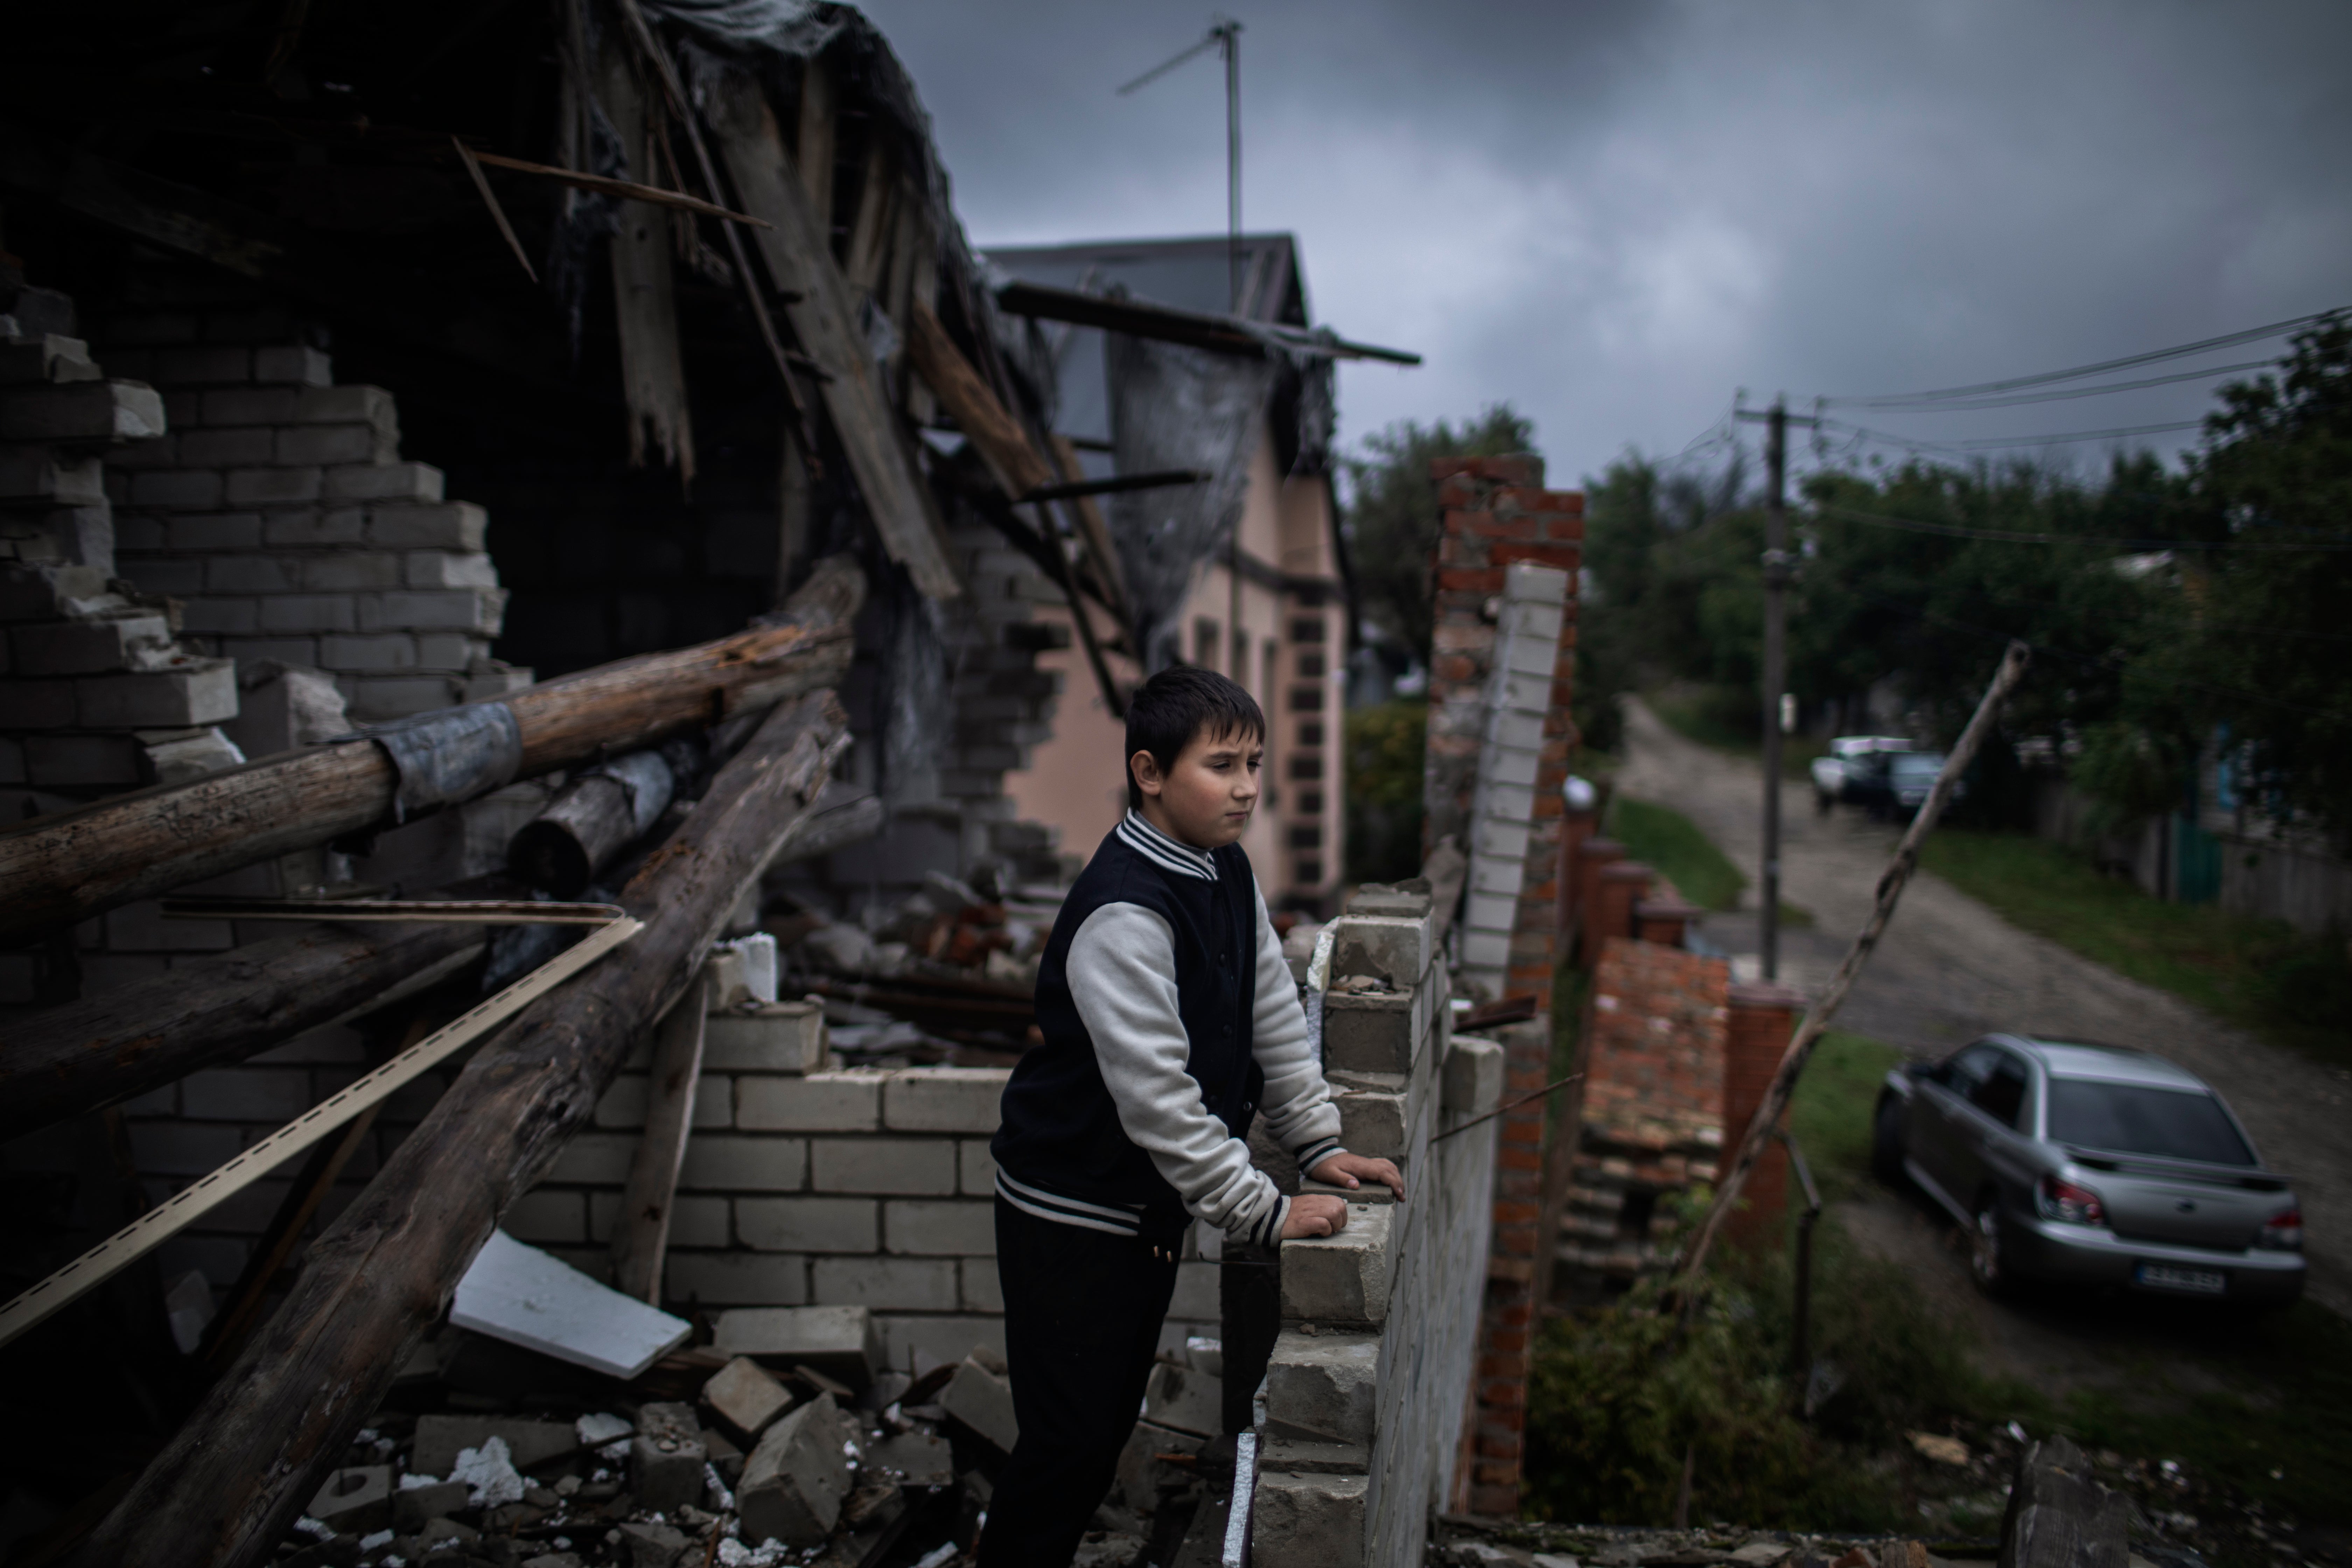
<point x="1180" y="702"/>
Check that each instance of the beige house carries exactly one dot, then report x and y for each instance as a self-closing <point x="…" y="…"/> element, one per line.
<point x="1270" y="609"/>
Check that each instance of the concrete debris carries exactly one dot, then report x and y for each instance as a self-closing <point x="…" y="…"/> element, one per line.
<point x="355" y="1500"/>
<point x="1943" y="1451"/>
<point x="981" y="1398"/>
<point x="666" y="1457"/>
<point x="842" y="1343"/>
<point x="526" y="1296"/>
<point x="796" y="1479"/>
<point x="746" y="1396"/>
<point x="488" y="1474"/>
<point x="1184" y="1398"/>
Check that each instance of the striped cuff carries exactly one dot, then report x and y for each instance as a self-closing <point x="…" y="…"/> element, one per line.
<point x="1314" y="1153"/>
<point x="1267" y="1231"/>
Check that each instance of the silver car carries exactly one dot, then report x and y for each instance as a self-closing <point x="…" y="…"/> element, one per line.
<point x="2088" y="1164"/>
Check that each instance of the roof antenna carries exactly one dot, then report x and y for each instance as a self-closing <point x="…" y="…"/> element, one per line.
<point x="1226" y="37"/>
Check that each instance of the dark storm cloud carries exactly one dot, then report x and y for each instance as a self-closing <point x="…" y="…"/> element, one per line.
<point x="1614" y="215"/>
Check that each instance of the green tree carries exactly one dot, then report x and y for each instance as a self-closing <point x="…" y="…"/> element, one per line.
<point x="1391" y="518"/>
<point x="2268" y="648"/>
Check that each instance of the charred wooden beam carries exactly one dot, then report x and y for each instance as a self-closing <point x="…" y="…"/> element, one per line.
<point x="236" y="1477"/>
<point x="644" y="307"/>
<point x="64" y="868"/>
<point x="798" y="257"/>
<point x="590" y="820"/>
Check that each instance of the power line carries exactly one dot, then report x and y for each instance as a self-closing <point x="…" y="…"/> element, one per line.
<point x="1995" y="443"/>
<point x="2100" y="391"/>
<point x="2013" y="536"/>
<point x="2181" y="350"/>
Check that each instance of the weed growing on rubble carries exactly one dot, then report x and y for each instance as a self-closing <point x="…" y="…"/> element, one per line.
<point x="1617" y="1398"/>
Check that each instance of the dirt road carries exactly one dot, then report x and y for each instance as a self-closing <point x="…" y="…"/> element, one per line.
<point x="1950" y="969"/>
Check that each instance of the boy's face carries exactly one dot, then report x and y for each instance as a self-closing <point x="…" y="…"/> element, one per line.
<point x="1205" y="800"/>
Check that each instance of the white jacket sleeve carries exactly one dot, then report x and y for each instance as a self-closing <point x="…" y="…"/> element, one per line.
<point x="1122" y="972"/>
<point x="1298" y="1109"/>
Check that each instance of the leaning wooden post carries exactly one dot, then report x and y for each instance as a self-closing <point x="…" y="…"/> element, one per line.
<point x="1817" y="1017"/>
<point x="641" y="1233"/>
<point x="236" y="1477"/>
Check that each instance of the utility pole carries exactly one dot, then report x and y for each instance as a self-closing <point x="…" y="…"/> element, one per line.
<point x="1777" y="562"/>
<point x="1225" y="37"/>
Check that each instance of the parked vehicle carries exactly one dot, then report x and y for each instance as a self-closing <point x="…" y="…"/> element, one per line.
<point x="1852" y="759"/>
<point x="1898" y="785"/>
<point x="2088" y="1164"/>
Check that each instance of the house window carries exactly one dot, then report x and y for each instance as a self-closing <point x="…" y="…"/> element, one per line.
<point x="1310" y="666"/>
<point x="1307" y="700"/>
<point x="1311" y="802"/>
<point x="1306" y="836"/>
<point x="1310" y="872"/>
<point x="1205" y="637"/>
<point x="1306" y="629"/>
<point x="1310" y="767"/>
<point x="1311" y="733"/>
<point x="1273" y="667"/>
<point x="1240" y="657"/>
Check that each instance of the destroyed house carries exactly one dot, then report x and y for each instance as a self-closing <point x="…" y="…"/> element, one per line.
<point x="566" y="465"/>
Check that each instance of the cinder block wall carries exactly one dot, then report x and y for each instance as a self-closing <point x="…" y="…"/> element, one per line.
<point x="1367" y="1392"/>
<point x="854" y="1186"/>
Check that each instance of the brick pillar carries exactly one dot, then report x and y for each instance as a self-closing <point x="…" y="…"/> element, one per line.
<point x="1663" y="920"/>
<point x="1620" y="885"/>
<point x="1591" y="857"/>
<point x="1496" y="517"/>
<point x="1762" y="1014"/>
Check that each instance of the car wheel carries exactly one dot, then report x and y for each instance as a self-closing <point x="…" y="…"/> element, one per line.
<point x="1988" y="1258"/>
<point x="1887" y="1141"/>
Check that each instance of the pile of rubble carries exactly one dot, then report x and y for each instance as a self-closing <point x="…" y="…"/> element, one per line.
<point x="780" y="1440"/>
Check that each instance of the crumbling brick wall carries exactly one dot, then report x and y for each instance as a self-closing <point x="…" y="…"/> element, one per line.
<point x="1654" y="1033"/>
<point x="1498" y="707"/>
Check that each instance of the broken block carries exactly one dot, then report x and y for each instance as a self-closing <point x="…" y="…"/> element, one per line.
<point x="1398" y="949"/>
<point x="653" y="1545"/>
<point x="794" y="1481"/>
<point x="1309" y="1520"/>
<point x="1374" y="1108"/>
<point x="1341" y="1279"/>
<point x="842" y="1343"/>
<point x="944" y="1100"/>
<point x="1325" y="1386"/>
<point x="355" y="1500"/>
<point x="1143" y="1480"/>
<point x="983" y="1400"/>
<point x="775" y="1036"/>
<point x="1474" y="1076"/>
<point x="1304" y="1457"/>
<point x="746" y="1396"/>
<point x="666" y="1457"/>
<point x="1185" y="1399"/>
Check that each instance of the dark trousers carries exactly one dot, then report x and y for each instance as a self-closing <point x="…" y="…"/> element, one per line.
<point x="1082" y="1315"/>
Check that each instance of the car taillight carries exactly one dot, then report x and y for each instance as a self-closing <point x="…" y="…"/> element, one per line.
<point x="2281" y="1232"/>
<point x="2068" y="1203"/>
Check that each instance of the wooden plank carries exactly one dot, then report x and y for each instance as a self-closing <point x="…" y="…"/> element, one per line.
<point x="1138" y="318"/>
<point x="812" y="145"/>
<point x="227" y="1334"/>
<point x="869" y="235"/>
<point x="826" y="323"/>
<point x="1094" y="532"/>
<point x="629" y="190"/>
<point x="67" y="865"/>
<point x="652" y="364"/>
<point x="985" y="422"/>
<point x="234" y="1477"/>
<point x="641" y="1233"/>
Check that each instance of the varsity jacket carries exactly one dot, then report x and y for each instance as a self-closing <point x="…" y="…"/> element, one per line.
<point x="1170" y="1019"/>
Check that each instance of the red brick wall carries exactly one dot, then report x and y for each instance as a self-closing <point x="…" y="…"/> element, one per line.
<point x="1496" y="514"/>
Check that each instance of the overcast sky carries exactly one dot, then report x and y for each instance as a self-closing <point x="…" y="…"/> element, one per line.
<point x="1614" y="215"/>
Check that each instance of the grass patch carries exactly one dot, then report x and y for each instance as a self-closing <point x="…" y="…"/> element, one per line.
<point x="1672" y="844"/>
<point x="1829" y="1116"/>
<point x="2293" y="989"/>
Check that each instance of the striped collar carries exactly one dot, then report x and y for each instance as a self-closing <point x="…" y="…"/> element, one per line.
<point x="1163" y="851"/>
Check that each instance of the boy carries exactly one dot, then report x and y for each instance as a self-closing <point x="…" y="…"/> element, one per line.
<point x="1170" y="1021"/>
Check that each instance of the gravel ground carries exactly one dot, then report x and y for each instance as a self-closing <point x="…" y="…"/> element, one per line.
<point x="1949" y="969"/>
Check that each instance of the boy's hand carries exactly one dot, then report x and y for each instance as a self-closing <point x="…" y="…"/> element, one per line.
<point x="1314" y="1214"/>
<point x="1354" y="1171"/>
